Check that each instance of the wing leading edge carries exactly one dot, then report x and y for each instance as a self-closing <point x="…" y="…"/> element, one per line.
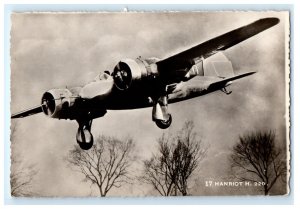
<point x="28" y="112"/>
<point x="189" y="57"/>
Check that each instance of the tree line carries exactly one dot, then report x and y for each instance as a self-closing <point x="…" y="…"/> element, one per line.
<point x="109" y="163"/>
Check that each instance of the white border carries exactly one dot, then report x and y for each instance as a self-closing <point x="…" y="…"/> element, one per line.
<point x="294" y="86"/>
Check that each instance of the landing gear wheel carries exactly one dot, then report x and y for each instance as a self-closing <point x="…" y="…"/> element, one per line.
<point x="163" y="124"/>
<point x="84" y="136"/>
<point x="84" y="139"/>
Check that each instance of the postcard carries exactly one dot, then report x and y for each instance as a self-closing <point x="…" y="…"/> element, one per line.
<point x="140" y="104"/>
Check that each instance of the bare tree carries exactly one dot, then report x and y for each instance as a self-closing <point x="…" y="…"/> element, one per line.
<point x="21" y="181"/>
<point x="178" y="157"/>
<point x="21" y="173"/>
<point x="106" y="164"/>
<point x="255" y="158"/>
<point x="157" y="174"/>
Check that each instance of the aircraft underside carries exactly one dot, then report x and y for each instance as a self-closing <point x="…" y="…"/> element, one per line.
<point x="133" y="100"/>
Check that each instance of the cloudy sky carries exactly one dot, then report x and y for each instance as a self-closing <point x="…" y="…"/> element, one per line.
<point x="55" y="50"/>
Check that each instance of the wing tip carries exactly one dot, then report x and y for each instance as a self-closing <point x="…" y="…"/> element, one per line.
<point x="270" y="21"/>
<point x="252" y="72"/>
<point x="27" y="112"/>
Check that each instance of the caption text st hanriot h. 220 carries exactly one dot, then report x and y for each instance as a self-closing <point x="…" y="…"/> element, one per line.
<point x="152" y="82"/>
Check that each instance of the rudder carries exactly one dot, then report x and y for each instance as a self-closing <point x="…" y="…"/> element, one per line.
<point x="218" y="65"/>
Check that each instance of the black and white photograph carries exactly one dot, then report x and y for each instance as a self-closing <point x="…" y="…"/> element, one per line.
<point x="150" y="104"/>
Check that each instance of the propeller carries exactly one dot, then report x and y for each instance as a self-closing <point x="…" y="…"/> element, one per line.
<point x="122" y="76"/>
<point x="48" y="103"/>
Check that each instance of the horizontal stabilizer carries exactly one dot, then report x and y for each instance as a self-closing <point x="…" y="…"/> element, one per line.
<point x="28" y="112"/>
<point x="222" y="83"/>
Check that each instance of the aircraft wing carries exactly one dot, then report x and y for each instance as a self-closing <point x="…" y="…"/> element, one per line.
<point x="27" y="112"/>
<point x="222" y="83"/>
<point x="180" y="63"/>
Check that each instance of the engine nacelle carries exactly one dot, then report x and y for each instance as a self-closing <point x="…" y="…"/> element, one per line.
<point x="56" y="103"/>
<point x="130" y="71"/>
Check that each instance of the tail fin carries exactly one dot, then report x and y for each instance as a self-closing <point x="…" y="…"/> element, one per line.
<point x="218" y="65"/>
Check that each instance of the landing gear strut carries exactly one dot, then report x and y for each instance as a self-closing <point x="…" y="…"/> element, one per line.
<point x="84" y="136"/>
<point x="160" y="114"/>
<point x="224" y="90"/>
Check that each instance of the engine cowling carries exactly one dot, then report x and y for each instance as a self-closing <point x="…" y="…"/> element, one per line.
<point x="56" y="103"/>
<point x="129" y="71"/>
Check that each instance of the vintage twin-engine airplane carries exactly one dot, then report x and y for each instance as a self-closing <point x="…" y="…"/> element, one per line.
<point x="151" y="82"/>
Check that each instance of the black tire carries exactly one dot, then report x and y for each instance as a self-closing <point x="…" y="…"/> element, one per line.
<point x="84" y="139"/>
<point x="163" y="124"/>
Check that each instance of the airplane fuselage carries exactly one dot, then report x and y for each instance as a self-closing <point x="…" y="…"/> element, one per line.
<point x="115" y="99"/>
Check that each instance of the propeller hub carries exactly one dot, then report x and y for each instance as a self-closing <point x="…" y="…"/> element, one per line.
<point x="48" y="104"/>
